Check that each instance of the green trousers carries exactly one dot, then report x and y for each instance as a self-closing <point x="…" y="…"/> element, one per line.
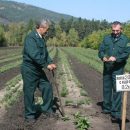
<point x="112" y="100"/>
<point x="31" y="80"/>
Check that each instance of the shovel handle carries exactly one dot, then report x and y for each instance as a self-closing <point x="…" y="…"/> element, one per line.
<point x="62" y="110"/>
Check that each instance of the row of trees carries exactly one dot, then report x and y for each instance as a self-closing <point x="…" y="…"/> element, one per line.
<point x="80" y="32"/>
<point x="64" y="33"/>
<point x="93" y="40"/>
<point x="62" y="38"/>
<point x="13" y="34"/>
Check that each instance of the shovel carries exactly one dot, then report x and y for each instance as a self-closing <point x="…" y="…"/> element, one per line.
<point x="59" y="107"/>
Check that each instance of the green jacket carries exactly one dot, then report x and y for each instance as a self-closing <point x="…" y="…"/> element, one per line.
<point x="114" y="47"/>
<point x="35" y="52"/>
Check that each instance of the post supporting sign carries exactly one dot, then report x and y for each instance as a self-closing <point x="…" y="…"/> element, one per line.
<point x="123" y="84"/>
<point x="123" y="127"/>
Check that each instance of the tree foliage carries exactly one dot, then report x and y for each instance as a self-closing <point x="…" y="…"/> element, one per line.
<point x="93" y="40"/>
<point x="73" y="37"/>
<point x="2" y="36"/>
<point x="15" y="34"/>
<point x="80" y="32"/>
<point x="127" y="30"/>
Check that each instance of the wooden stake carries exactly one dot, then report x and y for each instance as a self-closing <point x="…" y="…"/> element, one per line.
<point x="123" y="127"/>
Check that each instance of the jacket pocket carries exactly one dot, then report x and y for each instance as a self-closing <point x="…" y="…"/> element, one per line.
<point x="121" y="48"/>
<point x="107" y="49"/>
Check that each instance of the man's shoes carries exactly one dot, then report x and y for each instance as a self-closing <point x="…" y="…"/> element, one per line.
<point x="118" y="120"/>
<point x="115" y="119"/>
<point x="30" y="121"/>
<point x="104" y="112"/>
<point x="53" y="115"/>
<point x="50" y="115"/>
<point x="37" y="115"/>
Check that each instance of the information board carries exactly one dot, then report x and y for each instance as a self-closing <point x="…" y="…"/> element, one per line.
<point x="123" y="82"/>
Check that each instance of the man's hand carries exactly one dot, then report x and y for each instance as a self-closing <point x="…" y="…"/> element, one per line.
<point x="51" y="67"/>
<point x="105" y="59"/>
<point x="112" y="58"/>
<point x="54" y="66"/>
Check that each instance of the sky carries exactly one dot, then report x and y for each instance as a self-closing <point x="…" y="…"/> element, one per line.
<point x="111" y="10"/>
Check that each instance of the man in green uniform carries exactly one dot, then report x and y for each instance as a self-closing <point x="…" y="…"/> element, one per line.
<point x="113" y="53"/>
<point x="35" y="59"/>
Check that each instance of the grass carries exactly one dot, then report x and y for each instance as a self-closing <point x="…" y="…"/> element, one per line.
<point x="11" y="58"/>
<point x="13" y="87"/>
<point x="61" y="73"/>
<point x="64" y="92"/>
<point x="90" y="57"/>
<point x="69" y="102"/>
<point x="10" y="66"/>
<point x="66" y="77"/>
<point x="13" y="91"/>
<point x="83" y="92"/>
<point x="87" y="56"/>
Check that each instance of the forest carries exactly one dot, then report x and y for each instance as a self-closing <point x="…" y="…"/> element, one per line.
<point x="75" y="33"/>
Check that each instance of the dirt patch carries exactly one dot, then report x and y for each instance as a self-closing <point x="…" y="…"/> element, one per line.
<point x="13" y="119"/>
<point x="92" y="81"/>
<point x="7" y="62"/>
<point x="7" y="75"/>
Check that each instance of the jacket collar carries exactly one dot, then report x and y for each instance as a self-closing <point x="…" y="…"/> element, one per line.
<point x="116" y="39"/>
<point x="36" y="34"/>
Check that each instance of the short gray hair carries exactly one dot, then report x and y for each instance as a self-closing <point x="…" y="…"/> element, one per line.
<point x="43" y="23"/>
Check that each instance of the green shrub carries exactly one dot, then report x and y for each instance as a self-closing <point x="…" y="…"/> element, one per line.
<point x="81" y="122"/>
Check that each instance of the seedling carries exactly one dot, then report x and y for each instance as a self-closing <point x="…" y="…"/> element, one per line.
<point x="81" y="122"/>
<point x="83" y="92"/>
<point x="68" y="102"/>
<point x="65" y="118"/>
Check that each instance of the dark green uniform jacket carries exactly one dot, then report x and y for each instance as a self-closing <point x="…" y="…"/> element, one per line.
<point x="35" y="54"/>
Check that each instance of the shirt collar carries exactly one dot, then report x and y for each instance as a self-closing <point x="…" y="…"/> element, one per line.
<point x="39" y="34"/>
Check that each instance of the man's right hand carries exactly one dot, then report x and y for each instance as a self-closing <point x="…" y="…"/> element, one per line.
<point x="54" y="66"/>
<point x="51" y="67"/>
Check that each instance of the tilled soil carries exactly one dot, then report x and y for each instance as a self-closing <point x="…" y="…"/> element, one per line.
<point x="92" y="81"/>
<point x="7" y="62"/>
<point x="8" y="75"/>
<point x="14" y="120"/>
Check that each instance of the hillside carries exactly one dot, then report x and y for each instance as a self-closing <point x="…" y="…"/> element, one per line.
<point x="14" y="12"/>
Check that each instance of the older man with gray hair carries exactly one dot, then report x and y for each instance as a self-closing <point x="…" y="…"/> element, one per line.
<point x="35" y="59"/>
